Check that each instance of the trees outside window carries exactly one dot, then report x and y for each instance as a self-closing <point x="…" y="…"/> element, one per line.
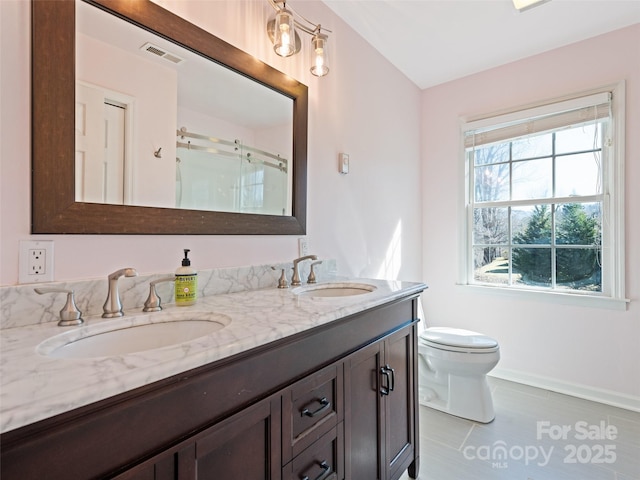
<point x="577" y="247"/>
<point x="539" y="185"/>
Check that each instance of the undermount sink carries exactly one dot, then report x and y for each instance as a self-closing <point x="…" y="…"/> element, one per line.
<point x="133" y="334"/>
<point x="335" y="289"/>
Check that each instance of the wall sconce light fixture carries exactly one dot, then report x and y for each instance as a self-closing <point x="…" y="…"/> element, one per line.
<point x="283" y="32"/>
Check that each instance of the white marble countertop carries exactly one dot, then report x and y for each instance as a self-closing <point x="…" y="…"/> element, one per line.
<point x="35" y="386"/>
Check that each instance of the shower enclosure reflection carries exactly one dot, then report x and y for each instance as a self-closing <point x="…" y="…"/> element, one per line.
<point x="229" y="176"/>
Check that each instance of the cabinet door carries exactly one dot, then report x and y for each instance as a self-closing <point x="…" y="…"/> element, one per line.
<point x="364" y="457"/>
<point x="380" y="409"/>
<point x="246" y="446"/>
<point x="399" y="403"/>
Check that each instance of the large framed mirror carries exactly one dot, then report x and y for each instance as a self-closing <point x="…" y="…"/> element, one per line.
<point x="271" y="154"/>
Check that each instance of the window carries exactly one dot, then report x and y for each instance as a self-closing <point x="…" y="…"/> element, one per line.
<point x="544" y="201"/>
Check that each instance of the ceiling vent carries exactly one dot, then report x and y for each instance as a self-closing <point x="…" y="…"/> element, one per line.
<point x="161" y="52"/>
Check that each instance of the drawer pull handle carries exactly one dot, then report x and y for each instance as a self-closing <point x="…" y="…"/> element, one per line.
<point x="324" y="405"/>
<point x="388" y="372"/>
<point x="326" y="471"/>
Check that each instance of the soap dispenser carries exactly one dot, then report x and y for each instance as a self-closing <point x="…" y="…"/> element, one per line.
<point x="186" y="282"/>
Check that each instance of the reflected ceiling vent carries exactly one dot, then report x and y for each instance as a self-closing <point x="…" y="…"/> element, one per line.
<point x="161" y="52"/>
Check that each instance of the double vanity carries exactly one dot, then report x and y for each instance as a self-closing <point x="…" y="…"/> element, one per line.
<point x="252" y="382"/>
<point x="315" y="382"/>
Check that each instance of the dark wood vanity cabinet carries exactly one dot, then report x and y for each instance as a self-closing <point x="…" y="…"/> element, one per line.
<point x="335" y="402"/>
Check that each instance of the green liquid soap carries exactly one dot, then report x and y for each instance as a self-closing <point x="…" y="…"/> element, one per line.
<point x="186" y="290"/>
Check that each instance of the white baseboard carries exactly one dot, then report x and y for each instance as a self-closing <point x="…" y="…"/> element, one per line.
<point x="616" y="399"/>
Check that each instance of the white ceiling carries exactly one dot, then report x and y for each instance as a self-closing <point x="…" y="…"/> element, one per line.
<point x="435" y="41"/>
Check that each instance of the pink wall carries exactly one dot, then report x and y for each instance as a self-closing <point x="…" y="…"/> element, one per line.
<point x="575" y="346"/>
<point x="356" y="109"/>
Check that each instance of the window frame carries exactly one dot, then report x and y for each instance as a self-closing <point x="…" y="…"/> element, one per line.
<point x="613" y="205"/>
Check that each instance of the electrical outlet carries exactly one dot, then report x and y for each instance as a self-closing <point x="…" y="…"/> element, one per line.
<point x="303" y="247"/>
<point x="36" y="261"/>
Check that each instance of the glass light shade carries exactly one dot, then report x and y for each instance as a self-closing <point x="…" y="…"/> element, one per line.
<point x="284" y="41"/>
<point x="319" y="55"/>
<point x="522" y="5"/>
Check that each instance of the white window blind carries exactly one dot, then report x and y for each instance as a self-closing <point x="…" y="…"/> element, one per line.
<point x="545" y="118"/>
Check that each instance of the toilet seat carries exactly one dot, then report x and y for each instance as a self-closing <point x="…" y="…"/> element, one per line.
<point x="458" y="340"/>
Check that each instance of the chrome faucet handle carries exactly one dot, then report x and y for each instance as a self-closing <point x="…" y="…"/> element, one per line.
<point x="112" y="306"/>
<point x="69" y="315"/>
<point x="282" y="281"/>
<point x="312" y="274"/>
<point x="295" y="280"/>
<point x="152" y="304"/>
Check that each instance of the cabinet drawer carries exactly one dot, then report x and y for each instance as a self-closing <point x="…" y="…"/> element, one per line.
<point x="324" y="460"/>
<point x="310" y="408"/>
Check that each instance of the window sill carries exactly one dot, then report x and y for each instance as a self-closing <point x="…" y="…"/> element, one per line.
<point x="552" y="297"/>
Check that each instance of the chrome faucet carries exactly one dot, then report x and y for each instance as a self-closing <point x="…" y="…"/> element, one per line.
<point x="69" y="315"/>
<point x="312" y="274"/>
<point x="112" y="306"/>
<point x="282" y="281"/>
<point x="295" y="280"/>
<point x="153" y="303"/>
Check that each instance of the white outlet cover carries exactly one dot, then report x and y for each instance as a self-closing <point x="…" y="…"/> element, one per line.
<point x="25" y="275"/>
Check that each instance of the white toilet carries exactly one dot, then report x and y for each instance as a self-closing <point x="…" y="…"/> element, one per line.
<point x="453" y="364"/>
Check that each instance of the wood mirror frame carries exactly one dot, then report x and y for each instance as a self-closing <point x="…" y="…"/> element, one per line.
<point x="54" y="208"/>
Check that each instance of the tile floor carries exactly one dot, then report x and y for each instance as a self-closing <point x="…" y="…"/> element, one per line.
<point x="536" y="435"/>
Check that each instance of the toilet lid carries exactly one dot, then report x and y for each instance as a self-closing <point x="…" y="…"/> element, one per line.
<point x="457" y="337"/>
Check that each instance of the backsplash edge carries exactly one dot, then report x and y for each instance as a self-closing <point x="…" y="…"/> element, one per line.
<point x="21" y="306"/>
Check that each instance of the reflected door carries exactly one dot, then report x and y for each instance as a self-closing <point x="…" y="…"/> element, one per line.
<point x="100" y="147"/>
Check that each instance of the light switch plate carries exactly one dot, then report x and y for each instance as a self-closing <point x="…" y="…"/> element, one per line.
<point x="343" y="163"/>
<point x="35" y="261"/>
<point x="303" y="247"/>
